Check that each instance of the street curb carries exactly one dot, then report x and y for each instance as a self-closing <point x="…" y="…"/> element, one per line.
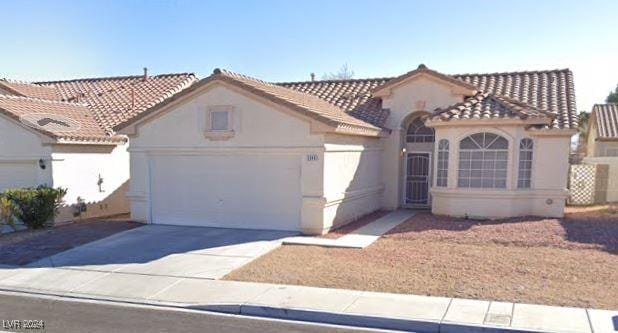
<point x="299" y="314"/>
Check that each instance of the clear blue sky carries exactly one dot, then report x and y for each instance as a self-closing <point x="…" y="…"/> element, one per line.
<point x="286" y="40"/>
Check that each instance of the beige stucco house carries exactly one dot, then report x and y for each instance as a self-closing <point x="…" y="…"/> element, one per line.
<point x="602" y="146"/>
<point x="60" y="134"/>
<point x="235" y="151"/>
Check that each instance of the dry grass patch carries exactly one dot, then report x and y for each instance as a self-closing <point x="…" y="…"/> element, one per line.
<point x="571" y="261"/>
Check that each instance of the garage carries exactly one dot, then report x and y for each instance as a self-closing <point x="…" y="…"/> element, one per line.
<point x="252" y="191"/>
<point x="15" y="174"/>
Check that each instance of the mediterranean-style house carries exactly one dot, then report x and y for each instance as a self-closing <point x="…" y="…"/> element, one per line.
<point x="60" y="134"/>
<point x="602" y="146"/>
<point x="235" y="151"/>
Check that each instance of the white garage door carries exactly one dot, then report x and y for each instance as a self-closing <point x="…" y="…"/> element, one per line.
<point x="229" y="191"/>
<point x="17" y="174"/>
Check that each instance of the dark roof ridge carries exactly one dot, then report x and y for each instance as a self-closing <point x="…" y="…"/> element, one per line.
<point x="113" y="78"/>
<point x="336" y="80"/>
<point x="36" y="99"/>
<point x="516" y="72"/>
<point x="463" y="74"/>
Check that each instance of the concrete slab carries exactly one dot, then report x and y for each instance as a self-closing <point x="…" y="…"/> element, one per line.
<point x="499" y="314"/>
<point x="126" y="286"/>
<point x="50" y="279"/>
<point x="8" y="271"/>
<point x="603" y="321"/>
<point x="170" y="251"/>
<point x="369" y="233"/>
<point x="466" y="311"/>
<point x="188" y="265"/>
<point x="359" y="238"/>
<point x="550" y="318"/>
<point x="402" y="306"/>
<point x="210" y="292"/>
<point x="333" y="300"/>
<point x="248" y="249"/>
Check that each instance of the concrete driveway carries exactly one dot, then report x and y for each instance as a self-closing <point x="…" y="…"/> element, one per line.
<point x="176" y="251"/>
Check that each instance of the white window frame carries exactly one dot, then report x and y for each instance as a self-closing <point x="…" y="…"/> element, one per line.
<point x="225" y="134"/>
<point x="531" y="170"/>
<point x="483" y="150"/>
<point x="440" y="153"/>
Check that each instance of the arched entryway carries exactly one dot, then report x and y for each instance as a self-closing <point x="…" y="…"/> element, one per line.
<point x="418" y="147"/>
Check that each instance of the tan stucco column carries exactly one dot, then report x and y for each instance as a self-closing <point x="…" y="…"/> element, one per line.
<point x="391" y="166"/>
<point x="312" y="191"/>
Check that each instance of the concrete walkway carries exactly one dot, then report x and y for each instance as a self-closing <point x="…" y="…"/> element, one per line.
<point x="359" y="238"/>
<point x="334" y="306"/>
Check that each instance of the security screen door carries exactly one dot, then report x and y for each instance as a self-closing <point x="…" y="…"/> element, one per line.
<point x="417" y="179"/>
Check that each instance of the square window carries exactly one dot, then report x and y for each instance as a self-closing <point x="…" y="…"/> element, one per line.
<point x="219" y="120"/>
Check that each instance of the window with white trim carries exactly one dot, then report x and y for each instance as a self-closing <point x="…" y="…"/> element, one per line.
<point x="483" y="161"/>
<point x="442" y="170"/>
<point x="525" y="163"/>
<point x="418" y="132"/>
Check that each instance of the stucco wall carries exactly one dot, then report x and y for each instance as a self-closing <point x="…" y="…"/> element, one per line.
<point x="259" y="128"/>
<point x="352" y="178"/>
<point x="20" y="152"/>
<point x="78" y="167"/>
<point x="547" y="194"/>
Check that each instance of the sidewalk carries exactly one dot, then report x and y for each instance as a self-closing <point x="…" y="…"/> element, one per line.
<point x="333" y="306"/>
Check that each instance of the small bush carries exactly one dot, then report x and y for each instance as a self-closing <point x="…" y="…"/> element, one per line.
<point x="35" y="206"/>
<point x="7" y="213"/>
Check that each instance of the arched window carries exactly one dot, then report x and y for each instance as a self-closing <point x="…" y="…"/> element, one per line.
<point x="418" y="132"/>
<point x="442" y="174"/>
<point x="483" y="159"/>
<point x="525" y="163"/>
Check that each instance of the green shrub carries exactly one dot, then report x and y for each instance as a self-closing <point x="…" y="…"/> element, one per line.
<point x="36" y="206"/>
<point x="7" y="212"/>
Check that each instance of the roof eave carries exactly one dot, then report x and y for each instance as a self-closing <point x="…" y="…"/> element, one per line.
<point x="439" y="122"/>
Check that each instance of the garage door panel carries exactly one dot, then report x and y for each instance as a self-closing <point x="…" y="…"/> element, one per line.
<point x="236" y="191"/>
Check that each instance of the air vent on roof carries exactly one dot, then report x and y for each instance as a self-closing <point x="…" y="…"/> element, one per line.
<point x="50" y="122"/>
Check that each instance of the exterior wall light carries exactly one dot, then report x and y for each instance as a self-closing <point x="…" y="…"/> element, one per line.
<point x="42" y="164"/>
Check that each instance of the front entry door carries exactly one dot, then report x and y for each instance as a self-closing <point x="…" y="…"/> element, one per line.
<point x="417" y="179"/>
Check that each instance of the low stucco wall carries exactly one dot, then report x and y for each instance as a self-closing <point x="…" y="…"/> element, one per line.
<point x="498" y="204"/>
<point x="115" y="204"/>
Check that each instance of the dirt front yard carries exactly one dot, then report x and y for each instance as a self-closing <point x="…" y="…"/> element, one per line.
<point x="570" y="262"/>
<point x="23" y="247"/>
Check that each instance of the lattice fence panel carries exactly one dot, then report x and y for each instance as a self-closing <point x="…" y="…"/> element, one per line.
<point x="582" y="184"/>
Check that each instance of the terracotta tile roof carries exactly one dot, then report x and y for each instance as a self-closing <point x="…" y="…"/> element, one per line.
<point x="487" y="106"/>
<point x="117" y="99"/>
<point x="606" y="120"/>
<point x="308" y="104"/>
<point x="108" y="101"/>
<point x="29" y="90"/>
<point x="549" y="91"/>
<point x="352" y="96"/>
<point x="60" y="120"/>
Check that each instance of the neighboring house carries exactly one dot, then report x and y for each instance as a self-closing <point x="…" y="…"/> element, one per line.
<point x="60" y="134"/>
<point x="602" y="147"/>
<point x="234" y="151"/>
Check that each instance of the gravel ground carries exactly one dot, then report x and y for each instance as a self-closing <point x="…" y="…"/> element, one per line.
<point x="569" y="262"/>
<point x="23" y="247"/>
